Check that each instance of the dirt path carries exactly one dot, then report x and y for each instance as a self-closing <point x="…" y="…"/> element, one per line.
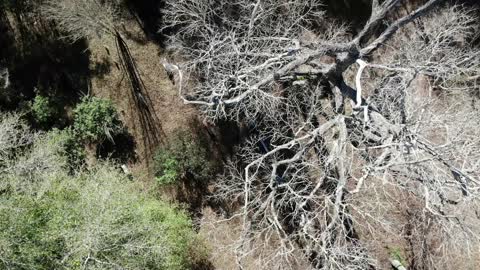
<point x="110" y="82"/>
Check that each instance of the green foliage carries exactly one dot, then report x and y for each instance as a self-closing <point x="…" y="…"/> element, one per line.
<point x="96" y="219"/>
<point x="98" y="214"/>
<point x="96" y="119"/>
<point x="184" y="157"/>
<point x="170" y="170"/>
<point x="45" y="111"/>
<point x="396" y="253"/>
<point x="24" y="240"/>
<point x="71" y="148"/>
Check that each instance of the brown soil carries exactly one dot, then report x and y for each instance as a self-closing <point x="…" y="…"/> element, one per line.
<point x="112" y="83"/>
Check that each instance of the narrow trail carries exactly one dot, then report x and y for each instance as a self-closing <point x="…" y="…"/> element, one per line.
<point x="139" y="87"/>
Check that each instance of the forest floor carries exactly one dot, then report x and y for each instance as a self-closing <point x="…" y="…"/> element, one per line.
<point x="110" y="82"/>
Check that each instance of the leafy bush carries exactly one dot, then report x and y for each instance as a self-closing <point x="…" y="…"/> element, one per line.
<point x="96" y="219"/>
<point x="169" y="171"/>
<point x="96" y="119"/>
<point x="45" y="111"/>
<point x="184" y="157"/>
<point x="71" y="148"/>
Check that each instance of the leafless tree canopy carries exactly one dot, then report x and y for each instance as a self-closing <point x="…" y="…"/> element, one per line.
<point x="343" y="127"/>
<point x="82" y="18"/>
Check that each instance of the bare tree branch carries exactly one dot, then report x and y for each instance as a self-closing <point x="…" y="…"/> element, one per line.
<point x="315" y="170"/>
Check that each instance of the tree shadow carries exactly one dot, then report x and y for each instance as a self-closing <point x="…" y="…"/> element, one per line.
<point x="121" y="149"/>
<point x="203" y="265"/>
<point x="149" y="16"/>
<point x="140" y="102"/>
<point x="352" y="12"/>
<point x="101" y="68"/>
<point x="40" y="61"/>
<point x="219" y="142"/>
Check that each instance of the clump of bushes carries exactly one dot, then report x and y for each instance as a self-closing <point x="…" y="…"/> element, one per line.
<point x="95" y="219"/>
<point x="96" y="119"/>
<point x="97" y="215"/>
<point x="71" y="148"/>
<point x="45" y="111"/>
<point x="184" y="157"/>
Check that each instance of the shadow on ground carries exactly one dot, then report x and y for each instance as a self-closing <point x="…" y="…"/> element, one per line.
<point x="39" y="61"/>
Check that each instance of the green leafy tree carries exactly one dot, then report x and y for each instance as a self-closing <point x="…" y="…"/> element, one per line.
<point x="96" y="119"/>
<point x="96" y="220"/>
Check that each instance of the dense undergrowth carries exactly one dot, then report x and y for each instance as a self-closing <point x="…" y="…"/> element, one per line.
<point x="95" y="218"/>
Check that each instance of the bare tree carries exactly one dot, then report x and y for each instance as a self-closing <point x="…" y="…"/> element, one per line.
<point x="14" y="134"/>
<point x="316" y="168"/>
<point x="83" y="18"/>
